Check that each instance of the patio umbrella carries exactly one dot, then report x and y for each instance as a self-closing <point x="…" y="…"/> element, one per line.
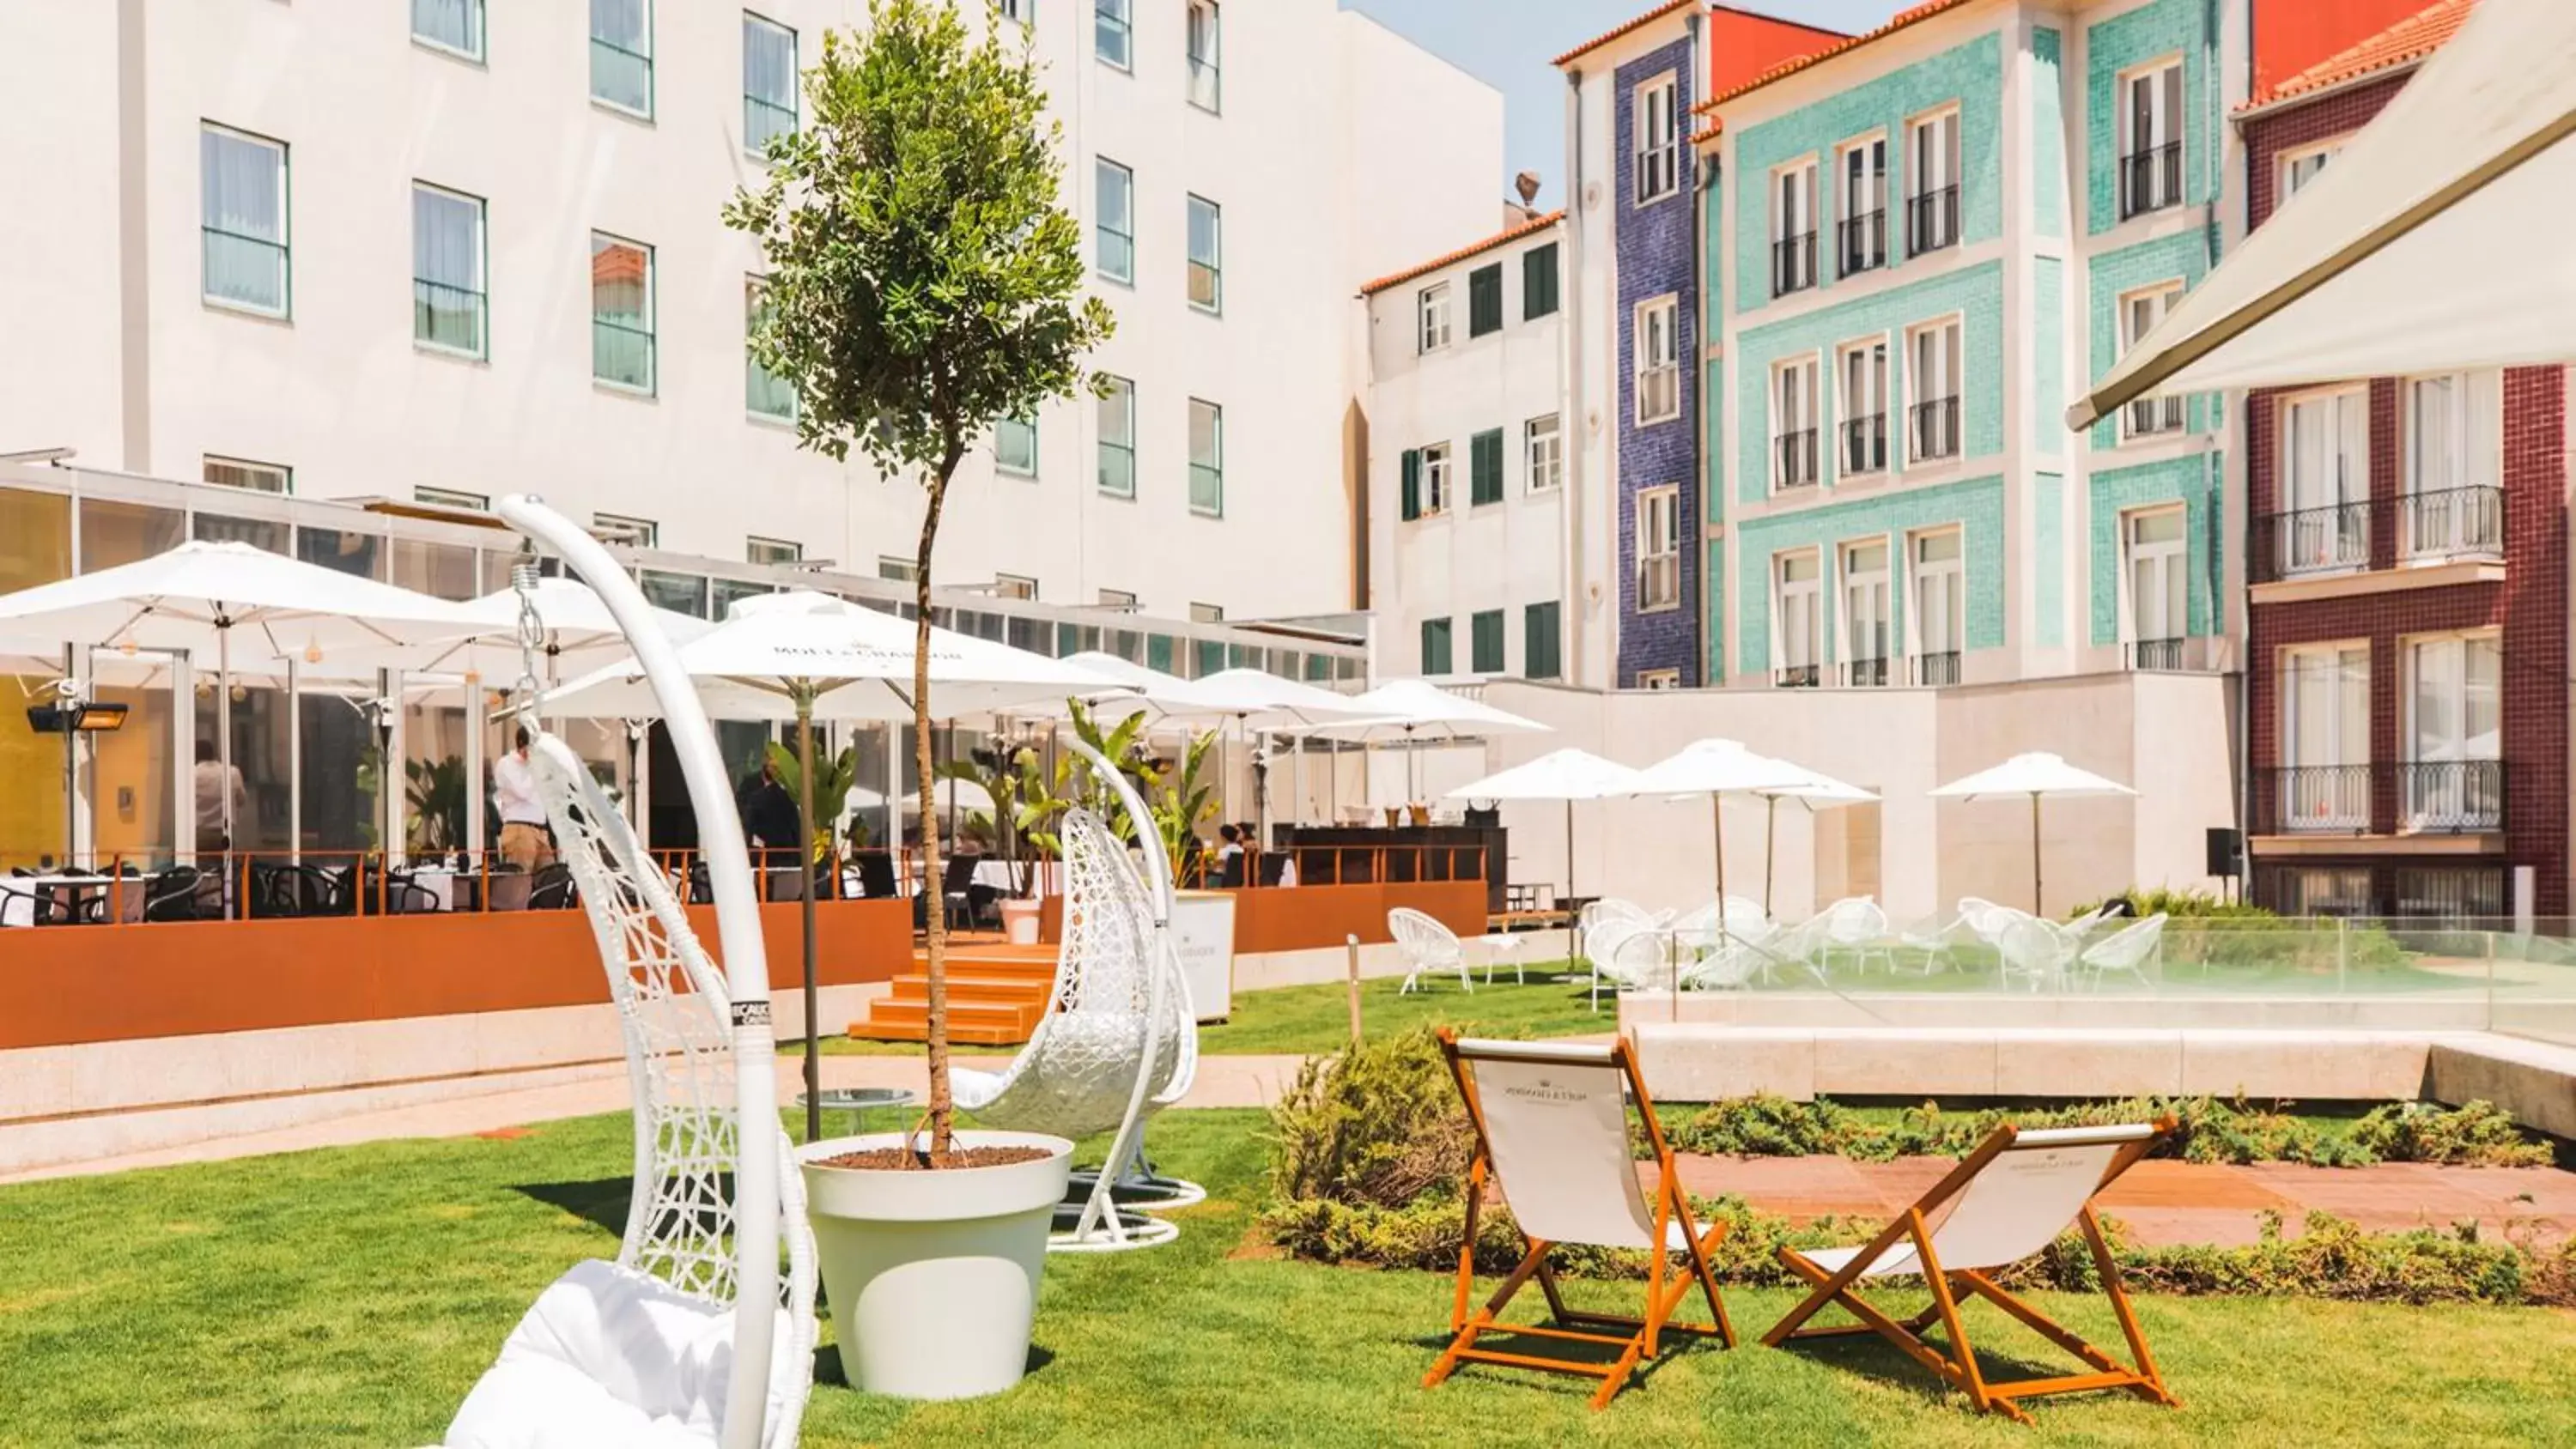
<point x="1719" y="768"/>
<point x="2411" y="253"/>
<point x="1568" y="775"/>
<point x="2035" y="775"/>
<point x="1821" y="792"/>
<point x="201" y="592"/>
<point x="801" y="655"/>
<point x="1258" y="702"/>
<point x="1411" y="708"/>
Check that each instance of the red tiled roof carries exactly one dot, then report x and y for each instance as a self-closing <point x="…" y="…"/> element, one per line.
<point x="1605" y="37"/>
<point x="1508" y="234"/>
<point x="1899" y="21"/>
<point x="2402" y="44"/>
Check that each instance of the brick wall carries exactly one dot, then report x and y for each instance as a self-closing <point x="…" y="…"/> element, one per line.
<point x="2267" y="136"/>
<point x="1655" y="250"/>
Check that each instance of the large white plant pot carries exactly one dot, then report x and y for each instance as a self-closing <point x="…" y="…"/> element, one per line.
<point x="1020" y="922"/>
<point x="933" y="1276"/>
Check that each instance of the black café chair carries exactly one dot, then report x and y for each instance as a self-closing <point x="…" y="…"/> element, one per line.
<point x="1274" y="867"/>
<point x="964" y="898"/>
<point x="1229" y="876"/>
<point x="552" y="889"/>
<point x="876" y="875"/>
<point x="176" y="894"/>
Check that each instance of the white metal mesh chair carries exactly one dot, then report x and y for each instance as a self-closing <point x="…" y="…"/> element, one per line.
<point x="1857" y="927"/>
<point x="2033" y="952"/>
<point x="1600" y="928"/>
<point x="1931" y="945"/>
<point x="1427" y="946"/>
<point x="2126" y="950"/>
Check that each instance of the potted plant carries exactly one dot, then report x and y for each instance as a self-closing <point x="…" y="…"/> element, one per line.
<point x="833" y="777"/>
<point x="1003" y="773"/>
<point x="921" y="283"/>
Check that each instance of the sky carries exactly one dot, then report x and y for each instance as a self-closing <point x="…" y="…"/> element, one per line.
<point x="1507" y="44"/>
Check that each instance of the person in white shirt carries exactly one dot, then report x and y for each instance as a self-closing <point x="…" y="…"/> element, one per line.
<point x="211" y="778"/>
<point x="526" y="840"/>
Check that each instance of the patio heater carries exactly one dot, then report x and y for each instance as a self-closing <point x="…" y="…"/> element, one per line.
<point x="71" y="716"/>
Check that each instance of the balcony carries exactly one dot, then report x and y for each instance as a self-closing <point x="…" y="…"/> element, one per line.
<point x="1793" y="459"/>
<point x="1798" y="676"/>
<point x="2399" y="802"/>
<point x="1932" y="220"/>
<point x="2451" y="523"/>
<point x="1865" y="444"/>
<point x="2150" y="179"/>
<point x="1934" y="670"/>
<point x="2313" y="541"/>
<point x="1935" y="429"/>
<point x="1793" y="264"/>
<point x="1863" y="241"/>
<point x="2155" y="655"/>
<point x="1865" y="673"/>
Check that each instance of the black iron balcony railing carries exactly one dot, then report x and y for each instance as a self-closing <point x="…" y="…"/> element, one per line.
<point x="1865" y="673"/>
<point x="2437" y="796"/>
<point x="2155" y="654"/>
<point x="1793" y="459"/>
<point x="2150" y="179"/>
<point x="1793" y="264"/>
<point x="2453" y="523"/>
<point x="1865" y="444"/>
<point x="2330" y="799"/>
<point x="2313" y="540"/>
<point x="1933" y="670"/>
<point x="1798" y="676"/>
<point x="1936" y="429"/>
<point x="1932" y="220"/>
<point x="2455" y="795"/>
<point x="1864" y="241"/>
<point x="2149" y="416"/>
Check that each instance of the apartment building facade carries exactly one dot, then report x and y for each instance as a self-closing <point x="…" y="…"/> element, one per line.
<point x="1917" y="238"/>
<point x="2407" y="658"/>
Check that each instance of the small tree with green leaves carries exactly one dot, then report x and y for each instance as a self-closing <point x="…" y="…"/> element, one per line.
<point x="922" y="282"/>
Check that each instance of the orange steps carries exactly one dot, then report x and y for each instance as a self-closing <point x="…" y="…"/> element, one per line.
<point x="996" y="994"/>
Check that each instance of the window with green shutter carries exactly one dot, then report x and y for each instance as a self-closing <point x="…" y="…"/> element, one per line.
<point x="1485" y="467"/>
<point x="1435" y="646"/>
<point x="1412" y="499"/>
<point x="1540" y="644"/>
<point x="1538" y="281"/>
<point x="1485" y="300"/>
<point x="1485" y="641"/>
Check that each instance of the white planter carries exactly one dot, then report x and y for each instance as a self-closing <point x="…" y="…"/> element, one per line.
<point x="1020" y="922"/>
<point x="1203" y="937"/>
<point x="933" y="1276"/>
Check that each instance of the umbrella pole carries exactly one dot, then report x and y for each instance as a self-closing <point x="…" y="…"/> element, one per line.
<point x="2037" y="906"/>
<point x="1569" y="879"/>
<point x="805" y="861"/>
<point x="1770" y="846"/>
<point x="224" y="718"/>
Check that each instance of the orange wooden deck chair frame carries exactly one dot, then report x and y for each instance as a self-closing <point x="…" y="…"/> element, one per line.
<point x="1552" y="1134"/>
<point x="2008" y="1199"/>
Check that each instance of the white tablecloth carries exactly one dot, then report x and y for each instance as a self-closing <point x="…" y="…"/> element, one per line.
<point x="18" y="895"/>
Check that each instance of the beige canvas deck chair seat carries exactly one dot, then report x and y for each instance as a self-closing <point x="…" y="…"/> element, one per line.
<point x="2009" y="1199"/>
<point x="1551" y="1123"/>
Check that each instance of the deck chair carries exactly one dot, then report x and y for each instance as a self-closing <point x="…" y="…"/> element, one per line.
<point x="2125" y="950"/>
<point x="1551" y="1123"/>
<point x="2009" y="1199"/>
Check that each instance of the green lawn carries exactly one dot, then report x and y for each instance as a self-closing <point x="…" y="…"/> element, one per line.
<point x="351" y="1297"/>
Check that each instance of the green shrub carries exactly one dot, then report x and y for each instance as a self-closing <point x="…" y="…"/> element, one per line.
<point x="2206" y="931"/>
<point x="2478" y="1134"/>
<point x="1379" y="1125"/>
<point x="2333" y="1258"/>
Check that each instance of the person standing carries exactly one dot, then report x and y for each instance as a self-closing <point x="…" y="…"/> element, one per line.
<point x="770" y="818"/>
<point x="217" y="784"/>
<point x="527" y="841"/>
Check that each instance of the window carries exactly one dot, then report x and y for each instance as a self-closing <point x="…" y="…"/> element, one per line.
<point x="1117" y="420"/>
<point x="452" y="498"/>
<point x="2323" y="891"/>
<point x="2454" y="504"/>
<point x="1123" y="600"/>
<point x="1659" y="549"/>
<point x="619" y="528"/>
<point x="1794" y="411"/>
<point x="1934" y="381"/>
<point x="1932" y="184"/>
<point x="1015" y="586"/>
<point x="1656" y="128"/>
<point x="2158" y="579"/>
<point x="1542" y="648"/>
<point x="1793" y="229"/>
<point x="1485" y="300"/>
<point x="1435" y="479"/>
<point x="2151" y="128"/>
<point x="1546" y="448"/>
<point x="1863" y="228"/>
<point x="2454" y="778"/>
<point x="1538" y="282"/>
<point x="1018" y="12"/>
<point x="772" y="551"/>
<point x="2325" y="738"/>
<point x="1114" y="234"/>
<point x="1864" y="407"/>
<point x="1203" y="37"/>
<point x="244" y="213"/>
<point x="242" y="473"/>
<point x="1865" y="613"/>
<point x="1432" y="303"/>
<point x="2139" y="313"/>
<point x="621" y="54"/>
<point x="1207" y="458"/>
<point x="1111" y="33"/>
<point x="1435" y="646"/>
<point x="1659" y="361"/>
<point x="1206" y="255"/>
<point x="768" y="82"/>
<point x="1015" y="446"/>
<point x="765" y="394"/>
<point x="2325" y="452"/>
<point x="1659" y="679"/>
<point x="449" y="25"/>
<point x="1485" y="467"/>
<point x="2300" y="167"/>
<point x="1207" y="613"/>
<point x="1800" y="614"/>
<point x="448" y="306"/>
<point x="621" y="312"/>
<point x="1485" y="641"/>
<point x="900" y="570"/>
<point x="1940" y="607"/>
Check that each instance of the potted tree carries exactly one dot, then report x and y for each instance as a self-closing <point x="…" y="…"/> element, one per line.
<point x="922" y="283"/>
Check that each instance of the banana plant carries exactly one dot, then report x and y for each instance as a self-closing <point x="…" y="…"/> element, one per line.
<point x="436" y="795"/>
<point x="833" y="777"/>
<point x="1047" y="791"/>
<point x="1181" y="802"/>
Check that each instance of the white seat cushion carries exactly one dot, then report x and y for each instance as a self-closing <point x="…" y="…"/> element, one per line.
<point x="610" y="1358"/>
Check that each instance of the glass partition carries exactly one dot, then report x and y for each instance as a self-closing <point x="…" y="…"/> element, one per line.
<point x="441" y="570"/>
<point x="130" y="781"/>
<point x="679" y="593"/>
<point x="122" y="533"/>
<point x="35" y="548"/>
<point x="340" y="768"/>
<point x="349" y="551"/>
<point x="262" y="533"/>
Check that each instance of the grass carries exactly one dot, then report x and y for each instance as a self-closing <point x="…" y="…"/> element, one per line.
<point x="351" y="1296"/>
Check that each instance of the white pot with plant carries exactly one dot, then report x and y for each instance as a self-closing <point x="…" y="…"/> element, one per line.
<point x="921" y="283"/>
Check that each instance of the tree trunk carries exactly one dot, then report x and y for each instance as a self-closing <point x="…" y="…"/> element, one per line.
<point x="934" y="894"/>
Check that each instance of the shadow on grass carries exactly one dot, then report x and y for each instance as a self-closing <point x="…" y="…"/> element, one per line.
<point x="1868" y="1356"/>
<point x="829" y="1372"/>
<point x="601" y="1201"/>
<point x="1512" y="1338"/>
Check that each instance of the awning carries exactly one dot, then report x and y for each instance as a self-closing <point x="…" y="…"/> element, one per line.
<point x="2435" y="242"/>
